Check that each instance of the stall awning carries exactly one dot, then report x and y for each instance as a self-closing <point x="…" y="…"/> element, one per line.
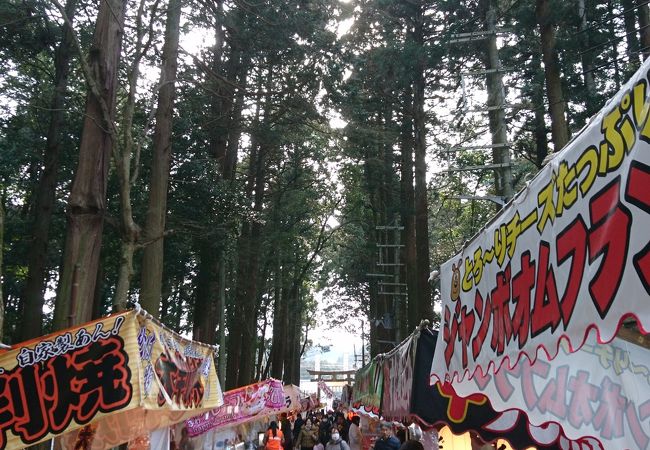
<point x="124" y="369"/>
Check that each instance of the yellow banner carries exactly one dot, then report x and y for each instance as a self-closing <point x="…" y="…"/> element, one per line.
<point x="67" y="379"/>
<point x="124" y="369"/>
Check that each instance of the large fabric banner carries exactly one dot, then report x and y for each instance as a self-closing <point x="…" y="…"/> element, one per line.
<point x="249" y="403"/>
<point x="603" y="390"/>
<point x="240" y="405"/>
<point x="441" y="404"/>
<point x="368" y="387"/>
<point x="398" y="380"/>
<point x="65" y="380"/>
<point x="570" y="252"/>
<point x="173" y="379"/>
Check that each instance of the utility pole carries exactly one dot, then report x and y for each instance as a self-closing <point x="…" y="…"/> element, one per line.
<point x="496" y="109"/>
<point x="496" y="106"/>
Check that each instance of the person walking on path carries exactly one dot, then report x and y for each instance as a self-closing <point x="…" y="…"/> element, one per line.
<point x="355" y="435"/>
<point x="308" y="437"/>
<point x="387" y="441"/>
<point x="335" y="442"/>
<point x="274" y="438"/>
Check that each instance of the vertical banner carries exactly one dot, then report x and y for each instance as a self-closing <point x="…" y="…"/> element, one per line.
<point x="569" y="253"/>
<point x="398" y="380"/>
<point x="368" y="387"/>
<point x="178" y="374"/>
<point x="65" y="380"/>
<point x="176" y="380"/>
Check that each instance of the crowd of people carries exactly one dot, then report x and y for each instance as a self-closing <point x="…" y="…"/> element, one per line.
<point x="331" y="431"/>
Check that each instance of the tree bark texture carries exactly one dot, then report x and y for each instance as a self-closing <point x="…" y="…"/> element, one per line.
<point x="537" y="98"/>
<point x="557" y="104"/>
<point x="2" y="241"/>
<point x="407" y="196"/>
<point x="587" y="59"/>
<point x="425" y="306"/>
<point x="87" y="201"/>
<point x="279" y="324"/>
<point x="206" y="303"/>
<point x="248" y="279"/>
<point x="46" y="191"/>
<point x="153" y="255"/>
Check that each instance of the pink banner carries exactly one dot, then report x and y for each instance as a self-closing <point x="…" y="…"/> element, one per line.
<point x="240" y="405"/>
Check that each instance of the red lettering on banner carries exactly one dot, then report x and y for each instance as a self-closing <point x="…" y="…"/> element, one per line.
<point x="546" y="310"/>
<point x="465" y="331"/>
<point x="450" y="332"/>
<point x="636" y="428"/>
<point x="46" y="397"/>
<point x="522" y="286"/>
<point x="572" y="243"/>
<point x="644" y="410"/>
<point x="609" y="236"/>
<point x="501" y="322"/>
<point x="484" y="317"/>
<point x="609" y="416"/>
<point x="580" y="411"/>
<point x="527" y="373"/>
<point x="638" y="194"/>
<point x="553" y="398"/>
<point x="502" y="383"/>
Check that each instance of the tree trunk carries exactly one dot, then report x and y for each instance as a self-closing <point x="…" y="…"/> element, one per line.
<point x="587" y="59"/>
<point x="32" y="325"/>
<point x="613" y="39"/>
<point x="206" y="303"/>
<point x="123" y="161"/>
<point x="87" y="201"/>
<point x="2" y="303"/>
<point x="557" y="105"/>
<point x="644" y="25"/>
<point x="153" y="256"/>
<point x="279" y="325"/>
<point x="248" y="279"/>
<point x="425" y="306"/>
<point x="537" y="98"/>
<point x="407" y="194"/>
<point x="234" y="125"/>
<point x="631" y="36"/>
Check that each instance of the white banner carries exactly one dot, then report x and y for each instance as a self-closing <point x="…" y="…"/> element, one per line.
<point x="570" y="252"/>
<point x="601" y="391"/>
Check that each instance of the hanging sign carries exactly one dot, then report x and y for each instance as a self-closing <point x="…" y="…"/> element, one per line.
<point x="325" y="388"/>
<point x="65" y="380"/>
<point x="245" y="404"/>
<point x="398" y="380"/>
<point x="368" y="387"/>
<point x="172" y="379"/>
<point x="570" y="252"/>
<point x="470" y="410"/>
<point x="602" y="390"/>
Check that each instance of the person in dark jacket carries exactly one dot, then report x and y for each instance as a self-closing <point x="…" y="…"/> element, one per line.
<point x="386" y="440"/>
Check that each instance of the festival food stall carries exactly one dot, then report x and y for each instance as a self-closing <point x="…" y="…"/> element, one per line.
<point x="245" y="412"/>
<point x="104" y="383"/>
<point x="397" y="386"/>
<point x="560" y="269"/>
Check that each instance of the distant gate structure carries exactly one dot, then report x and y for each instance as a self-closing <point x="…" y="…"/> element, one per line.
<point x="335" y="378"/>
